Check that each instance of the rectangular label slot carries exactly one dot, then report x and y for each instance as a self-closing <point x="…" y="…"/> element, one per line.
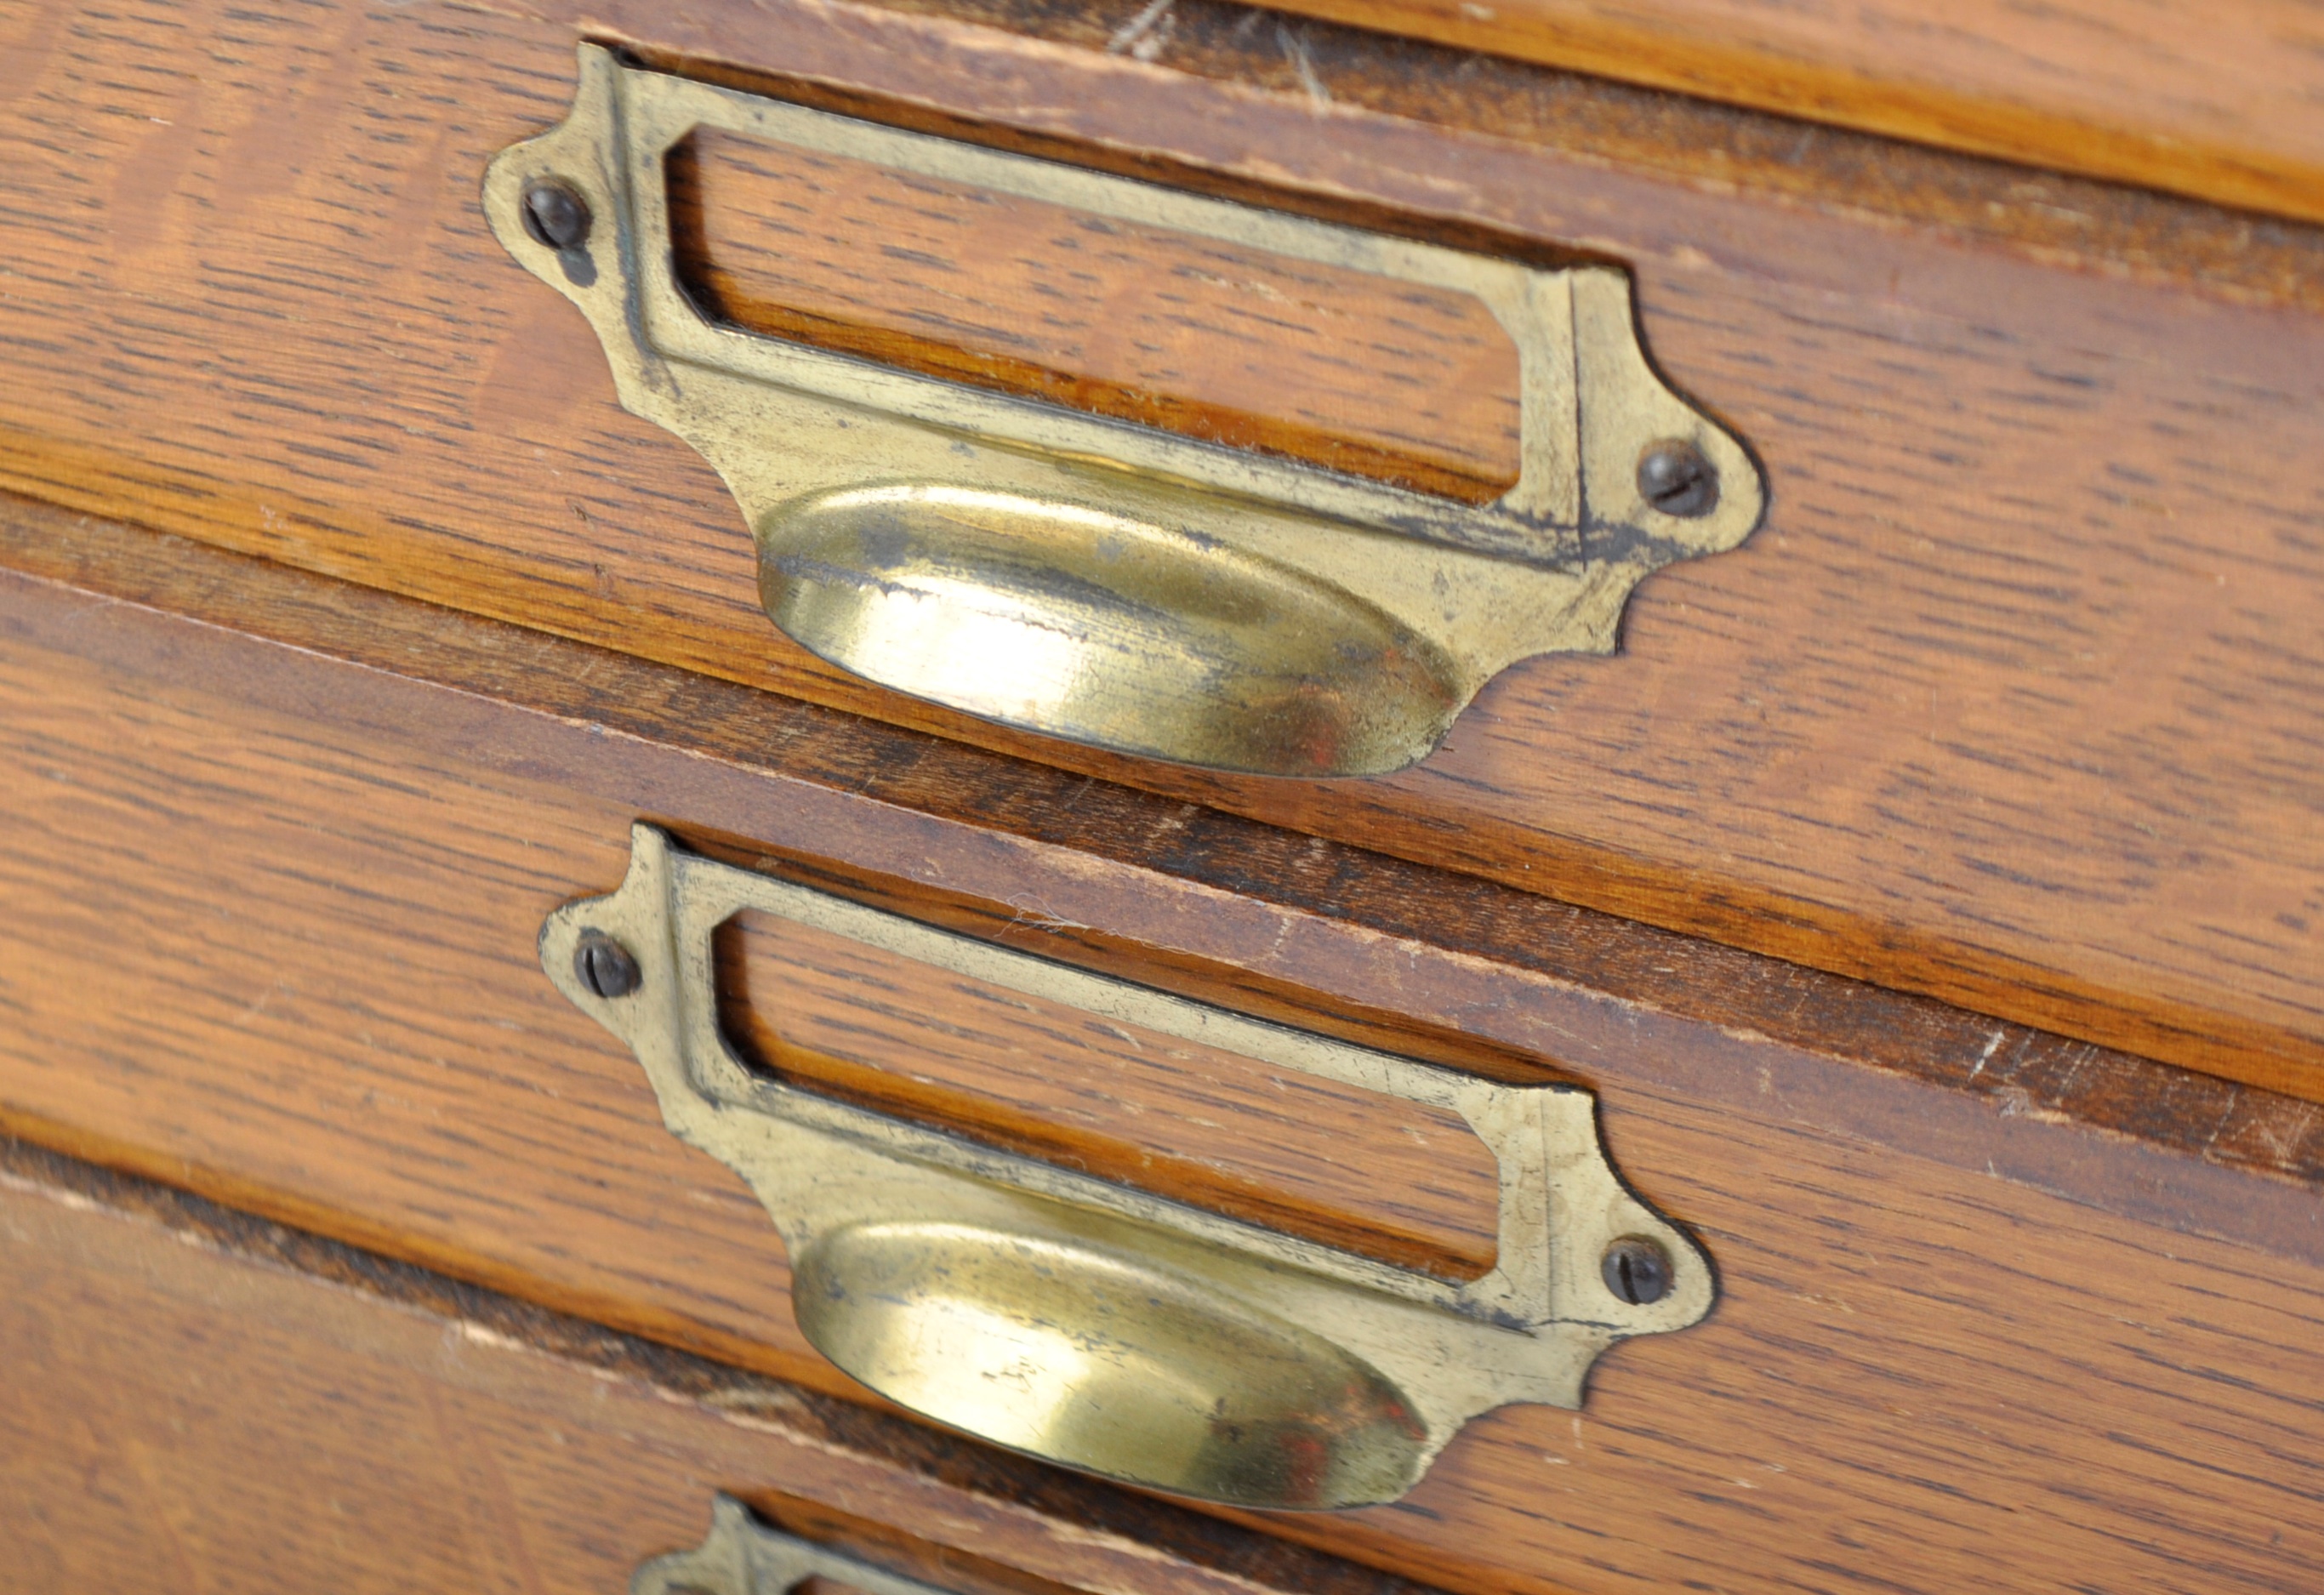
<point x="1389" y="1179"/>
<point x="1391" y="380"/>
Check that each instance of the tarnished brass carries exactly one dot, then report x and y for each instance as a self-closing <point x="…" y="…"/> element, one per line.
<point x="742" y="1556"/>
<point x="1099" y="580"/>
<point x="1097" y="1325"/>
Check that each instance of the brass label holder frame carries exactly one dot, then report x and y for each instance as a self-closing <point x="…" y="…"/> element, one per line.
<point x="1100" y="580"/>
<point x="1099" y="1326"/>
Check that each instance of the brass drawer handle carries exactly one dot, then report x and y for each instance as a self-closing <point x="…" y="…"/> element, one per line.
<point x="742" y="1556"/>
<point x="1097" y="1325"/>
<point x="1099" y="579"/>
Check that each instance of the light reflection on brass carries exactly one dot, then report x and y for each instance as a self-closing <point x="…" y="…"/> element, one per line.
<point x="1097" y="1325"/>
<point x="1170" y="641"/>
<point x="1099" y="1361"/>
<point x="1100" y="580"/>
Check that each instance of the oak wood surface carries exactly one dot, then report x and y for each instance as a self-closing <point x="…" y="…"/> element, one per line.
<point x="202" y="1401"/>
<point x="2012" y="702"/>
<point x="1235" y="863"/>
<point x="1396" y="381"/>
<point x="1395" y="1181"/>
<point x="266" y="930"/>
<point x="2217" y="99"/>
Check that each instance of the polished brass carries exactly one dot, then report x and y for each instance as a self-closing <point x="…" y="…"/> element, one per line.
<point x="742" y="1556"/>
<point x="1101" y="1326"/>
<point x="1104" y="581"/>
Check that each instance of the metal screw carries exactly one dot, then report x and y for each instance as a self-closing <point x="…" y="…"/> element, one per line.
<point x="1674" y="478"/>
<point x="555" y="214"/>
<point x="605" y="966"/>
<point x="1637" y="1270"/>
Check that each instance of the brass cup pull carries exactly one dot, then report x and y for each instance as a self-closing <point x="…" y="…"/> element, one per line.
<point x="1101" y="580"/>
<point x="1097" y="1325"/>
<point x="742" y="1556"/>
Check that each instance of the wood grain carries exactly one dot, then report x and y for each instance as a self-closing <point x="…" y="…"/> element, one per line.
<point x="1406" y="1183"/>
<point x="1394" y="381"/>
<point x="2218" y="100"/>
<point x="1002" y="803"/>
<point x="223" y="1404"/>
<point x="2011" y="703"/>
<point x="266" y="930"/>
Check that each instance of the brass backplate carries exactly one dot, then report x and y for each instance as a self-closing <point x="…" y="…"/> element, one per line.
<point x="1100" y="580"/>
<point x="1101" y="1326"/>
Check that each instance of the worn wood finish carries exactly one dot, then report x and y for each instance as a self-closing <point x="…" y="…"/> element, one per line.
<point x="1998" y="1311"/>
<point x="2012" y="702"/>
<point x="1395" y="380"/>
<point x="2217" y="99"/>
<point x="224" y="1404"/>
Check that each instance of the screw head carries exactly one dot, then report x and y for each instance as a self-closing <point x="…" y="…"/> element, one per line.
<point x="1675" y="478"/>
<point x="1637" y="1270"/>
<point x="555" y="214"/>
<point x="605" y="966"/>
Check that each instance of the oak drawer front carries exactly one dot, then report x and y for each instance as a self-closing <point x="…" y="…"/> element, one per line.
<point x="221" y="1403"/>
<point x="271" y="932"/>
<point x="2003" y="703"/>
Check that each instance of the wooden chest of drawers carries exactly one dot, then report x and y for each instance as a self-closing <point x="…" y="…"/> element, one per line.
<point x="1928" y="892"/>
